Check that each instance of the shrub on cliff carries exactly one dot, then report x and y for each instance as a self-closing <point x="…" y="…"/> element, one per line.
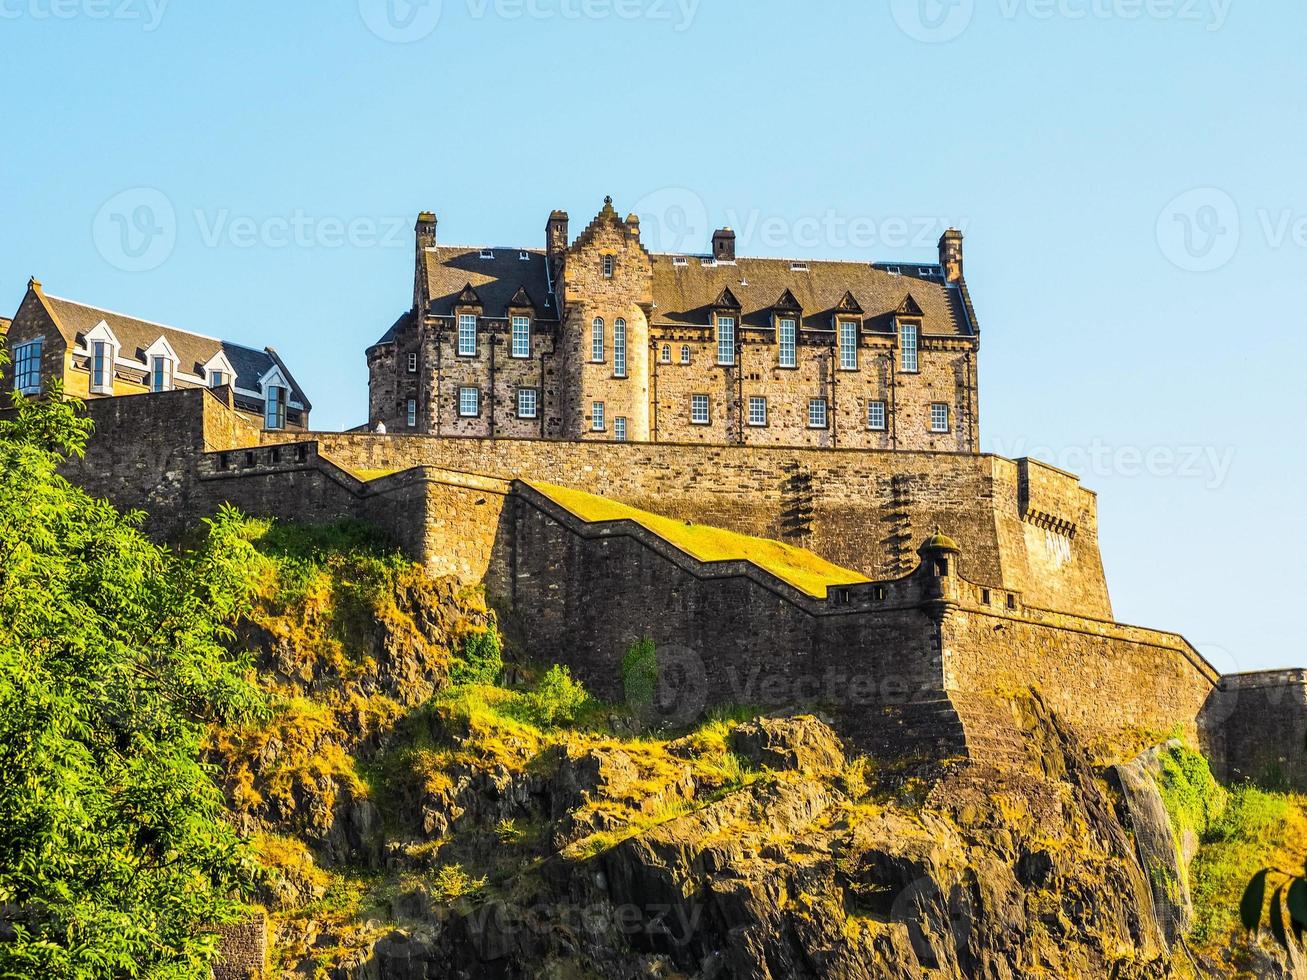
<point x="113" y="853"/>
<point x="481" y="660"/>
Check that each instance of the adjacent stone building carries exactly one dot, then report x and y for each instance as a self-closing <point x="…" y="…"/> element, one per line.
<point x="99" y="354"/>
<point x="598" y="339"/>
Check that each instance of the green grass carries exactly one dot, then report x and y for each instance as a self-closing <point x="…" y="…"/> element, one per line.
<point x="802" y="569"/>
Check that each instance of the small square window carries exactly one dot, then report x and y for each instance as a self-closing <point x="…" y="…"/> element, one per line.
<point x="619" y="429"/>
<point x="876" y="416"/>
<point x="699" y="409"/>
<point x="597" y="417"/>
<point x="817" y="413"/>
<point x="939" y="417"/>
<point x="757" y="410"/>
<point x="469" y="402"/>
<point x="526" y="403"/>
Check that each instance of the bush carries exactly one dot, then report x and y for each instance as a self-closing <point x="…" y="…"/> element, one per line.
<point x="557" y="699"/>
<point x="482" y="659"/>
<point x="640" y="674"/>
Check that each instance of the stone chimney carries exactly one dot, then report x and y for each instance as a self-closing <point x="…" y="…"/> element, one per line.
<point x="426" y="230"/>
<point x="950" y="255"/>
<point x="556" y="243"/>
<point x="723" y="245"/>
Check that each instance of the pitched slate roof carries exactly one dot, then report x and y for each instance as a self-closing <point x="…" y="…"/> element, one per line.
<point x="193" y="350"/>
<point x="687" y="288"/>
<point x="396" y="328"/>
<point x="451" y="268"/>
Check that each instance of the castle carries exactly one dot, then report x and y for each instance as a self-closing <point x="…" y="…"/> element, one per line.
<point x="897" y="579"/>
<point x="597" y="339"/>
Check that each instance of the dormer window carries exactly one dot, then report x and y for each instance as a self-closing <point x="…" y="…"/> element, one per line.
<point x="274" y="407"/>
<point x="218" y="371"/>
<point x="217" y="378"/>
<point x="609" y="264"/>
<point x="487" y="253"/>
<point x="160" y="373"/>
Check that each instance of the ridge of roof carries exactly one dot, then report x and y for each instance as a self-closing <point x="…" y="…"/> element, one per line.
<point x="861" y="263"/>
<point x="151" y="323"/>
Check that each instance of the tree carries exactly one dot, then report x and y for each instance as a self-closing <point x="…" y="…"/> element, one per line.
<point x="113" y="852"/>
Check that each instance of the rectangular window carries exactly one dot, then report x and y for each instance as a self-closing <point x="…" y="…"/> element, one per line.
<point x="467" y="335"/>
<point x="726" y="340"/>
<point x="908" y="346"/>
<point x="848" y="345"/>
<point x="160" y="374"/>
<point x="597" y="339"/>
<point x="412" y="363"/>
<point x="469" y="402"/>
<point x="27" y="367"/>
<point x="817" y="413"/>
<point x="526" y="403"/>
<point x="789" y="356"/>
<point x="597" y="416"/>
<point x="757" y="410"/>
<point x="412" y="413"/>
<point x="521" y="336"/>
<point x="699" y="409"/>
<point x="619" y="348"/>
<point x="876" y="415"/>
<point x="101" y="370"/>
<point x="274" y="409"/>
<point x="939" y="417"/>
<point x="619" y="429"/>
<point x="217" y="379"/>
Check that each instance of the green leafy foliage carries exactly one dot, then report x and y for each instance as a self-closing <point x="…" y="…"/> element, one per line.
<point x="113" y="853"/>
<point x="556" y="700"/>
<point x="481" y="660"/>
<point x="640" y="675"/>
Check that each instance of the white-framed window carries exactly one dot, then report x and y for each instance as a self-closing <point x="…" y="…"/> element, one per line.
<point x="526" y="403"/>
<point x="101" y="367"/>
<point x="610" y="264"/>
<point x="274" y="407"/>
<point x="665" y="354"/>
<point x="597" y="416"/>
<point x="619" y="347"/>
<point x="412" y="413"/>
<point x="726" y="340"/>
<point x="217" y="378"/>
<point x="521" y="336"/>
<point x="413" y="363"/>
<point x="469" y="402"/>
<point x="161" y="374"/>
<point x="597" y="339"/>
<point x="685" y="353"/>
<point x="619" y="429"/>
<point x="27" y="367"/>
<point x="816" y="413"/>
<point x="467" y="335"/>
<point x="876" y="415"/>
<point x="939" y="417"/>
<point x="789" y="354"/>
<point x="848" y="345"/>
<point x="699" y="410"/>
<point x="757" y="410"/>
<point x="908" y="346"/>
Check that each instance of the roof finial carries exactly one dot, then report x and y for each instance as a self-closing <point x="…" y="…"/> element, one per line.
<point x="608" y="199"/>
<point x="33" y="283"/>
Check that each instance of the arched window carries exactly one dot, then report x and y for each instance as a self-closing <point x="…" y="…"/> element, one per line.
<point x="666" y="354"/>
<point x="619" y="347"/>
<point x="597" y="339"/>
<point x="685" y="354"/>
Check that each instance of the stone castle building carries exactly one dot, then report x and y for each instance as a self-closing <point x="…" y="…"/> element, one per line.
<point x="596" y="338"/>
<point x="95" y="354"/>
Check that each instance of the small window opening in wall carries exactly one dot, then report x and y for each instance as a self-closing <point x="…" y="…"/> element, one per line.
<point x="301" y="452"/>
<point x="1011" y="602"/>
<point x="986" y="597"/>
<point x="524" y="256"/>
<point x="275" y="455"/>
<point x="609" y="265"/>
<point x="880" y="593"/>
<point x="249" y="459"/>
<point x="680" y="260"/>
<point x="487" y="253"/>
<point x="941" y="568"/>
<point x="842" y="596"/>
<point x="223" y="463"/>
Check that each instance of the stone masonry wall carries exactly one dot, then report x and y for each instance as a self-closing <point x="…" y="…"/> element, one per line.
<point x="1254" y="727"/>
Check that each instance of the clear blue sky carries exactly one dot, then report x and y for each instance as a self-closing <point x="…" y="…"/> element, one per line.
<point x="1129" y="174"/>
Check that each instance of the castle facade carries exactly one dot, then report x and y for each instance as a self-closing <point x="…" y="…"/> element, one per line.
<point x="598" y="339"/>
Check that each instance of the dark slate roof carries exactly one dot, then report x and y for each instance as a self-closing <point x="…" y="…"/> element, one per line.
<point x="396" y="328"/>
<point x="193" y="350"/>
<point x="450" y="268"/>
<point x="686" y="293"/>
